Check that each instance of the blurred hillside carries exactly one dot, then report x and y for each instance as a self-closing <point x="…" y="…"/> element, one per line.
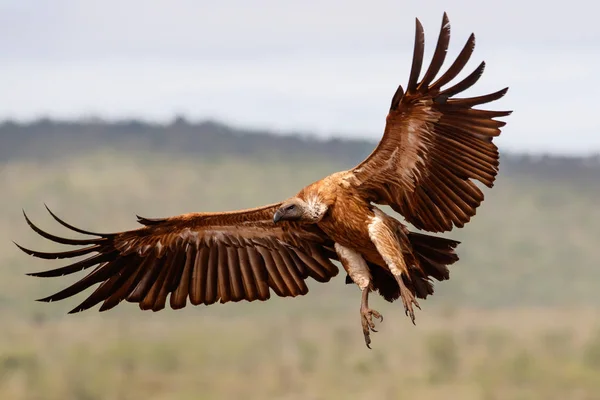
<point x="49" y="139"/>
<point x="518" y="318"/>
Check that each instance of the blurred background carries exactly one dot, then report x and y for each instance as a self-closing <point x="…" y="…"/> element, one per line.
<point x="113" y="109"/>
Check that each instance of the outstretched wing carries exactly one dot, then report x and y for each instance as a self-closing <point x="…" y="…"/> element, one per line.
<point x="435" y="145"/>
<point x="206" y="257"/>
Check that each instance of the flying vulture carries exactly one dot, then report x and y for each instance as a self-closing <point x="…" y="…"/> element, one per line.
<point x="434" y="148"/>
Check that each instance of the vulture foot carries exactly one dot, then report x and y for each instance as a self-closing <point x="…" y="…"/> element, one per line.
<point x="408" y="299"/>
<point x="366" y="316"/>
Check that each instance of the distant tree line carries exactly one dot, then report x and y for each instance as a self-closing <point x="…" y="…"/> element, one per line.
<point x="46" y="138"/>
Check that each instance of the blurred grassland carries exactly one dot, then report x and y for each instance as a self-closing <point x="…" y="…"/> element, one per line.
<point x="518" y="320"/>
<point x="526" y="354"/>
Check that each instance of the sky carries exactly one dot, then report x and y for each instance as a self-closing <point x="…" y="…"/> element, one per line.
<point x="327" y="67"/>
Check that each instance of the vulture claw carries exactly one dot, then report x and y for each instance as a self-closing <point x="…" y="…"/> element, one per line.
<point x="368" y="325"/>
<point x="408" y="299"/>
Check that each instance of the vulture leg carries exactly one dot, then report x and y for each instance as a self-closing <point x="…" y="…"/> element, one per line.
<point x="359" y="272"/>
<point x="366" y="316"/>
<point x="385" y="236"/>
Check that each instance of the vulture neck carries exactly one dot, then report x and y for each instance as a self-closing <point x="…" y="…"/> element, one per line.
<point x="317" y="201"/>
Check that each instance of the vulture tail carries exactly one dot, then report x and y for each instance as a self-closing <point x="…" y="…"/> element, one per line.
<point x="433" y="254"/>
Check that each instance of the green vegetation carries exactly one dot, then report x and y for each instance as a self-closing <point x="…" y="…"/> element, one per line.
<point x="517" y="320"/>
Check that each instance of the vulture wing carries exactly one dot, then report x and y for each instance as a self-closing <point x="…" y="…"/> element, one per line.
<point x="206" y="257"/>
<point x="434" y="145"/>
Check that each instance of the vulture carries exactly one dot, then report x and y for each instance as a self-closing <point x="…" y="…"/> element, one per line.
<point x="434" y="149"/>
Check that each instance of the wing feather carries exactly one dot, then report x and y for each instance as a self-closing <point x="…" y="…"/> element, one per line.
<point x="260" y="273"/>
<point x="224" y="289"/>
<point x="235" y="273"/>
<point x="179" y="297"/>
<point x="463" y="58"/>
<point x="439" y="55"/>
<point x="250" y="286"/>
<point x="419" y="50"/>
<point x="199" y="276"/>
<point x="206" y="257"/>
<point x="434" y="146"/>
<point x="211" y="288"/>
<point x="274" y="278"/>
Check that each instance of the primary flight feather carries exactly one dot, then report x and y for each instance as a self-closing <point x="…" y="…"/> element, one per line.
<point x="434" y="147"/>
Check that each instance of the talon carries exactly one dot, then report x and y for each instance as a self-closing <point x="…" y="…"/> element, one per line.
<point x="408" y="299"/>
<point x="367" y="323"/>
<point x="367" y="337"/>
<point x="377" y="315"/>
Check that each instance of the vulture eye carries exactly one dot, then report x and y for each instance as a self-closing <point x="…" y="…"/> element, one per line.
<point x="290" y="208"/>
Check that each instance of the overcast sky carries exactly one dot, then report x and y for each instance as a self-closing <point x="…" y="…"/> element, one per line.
<point x="328" y="67"/>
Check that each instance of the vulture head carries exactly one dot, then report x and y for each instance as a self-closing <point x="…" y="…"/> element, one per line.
<point x="299" y="210"/>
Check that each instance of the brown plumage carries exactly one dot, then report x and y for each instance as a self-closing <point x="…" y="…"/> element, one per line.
<point x="433" y="149"/>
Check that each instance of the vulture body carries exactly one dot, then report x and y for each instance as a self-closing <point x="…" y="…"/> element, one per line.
<point x="435" y="146"/>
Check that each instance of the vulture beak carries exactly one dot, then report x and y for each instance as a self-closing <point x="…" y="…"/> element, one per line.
<point x="277" y="216"/>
